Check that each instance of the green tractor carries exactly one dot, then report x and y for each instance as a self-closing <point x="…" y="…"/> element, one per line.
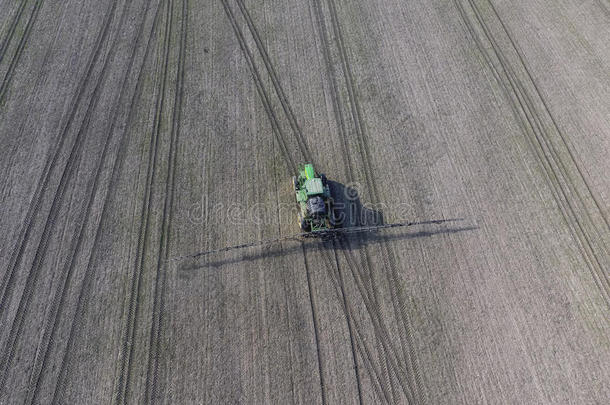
<point x="314" y="200"/>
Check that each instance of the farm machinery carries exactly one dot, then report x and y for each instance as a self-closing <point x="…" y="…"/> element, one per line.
<point x="314" y="200"/>
<point x="316" y="214"/>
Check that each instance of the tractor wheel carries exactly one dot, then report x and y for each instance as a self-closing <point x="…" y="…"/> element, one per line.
<point x="295" y="183"/>
<point x="323" y="178"/>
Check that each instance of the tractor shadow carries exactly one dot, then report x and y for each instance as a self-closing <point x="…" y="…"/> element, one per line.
<point x="348" y="208"/>
<point x="349" y="212"/>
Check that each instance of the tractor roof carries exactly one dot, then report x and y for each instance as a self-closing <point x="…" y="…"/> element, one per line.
<point x="314" y="186"/>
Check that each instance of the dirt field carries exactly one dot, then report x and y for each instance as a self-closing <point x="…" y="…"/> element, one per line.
<point x="134" y="132"/>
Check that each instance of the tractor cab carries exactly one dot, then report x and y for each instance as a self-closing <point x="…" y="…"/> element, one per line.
<point x="313" y="199"/>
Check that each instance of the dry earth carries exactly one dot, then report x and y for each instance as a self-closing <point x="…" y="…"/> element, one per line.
<point x="136" y="131"/>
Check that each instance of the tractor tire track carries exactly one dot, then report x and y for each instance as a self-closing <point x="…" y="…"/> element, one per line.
<point x="414" y="380"/>
<point x="35" y="87"/>
<point x="342" y="129"/>
<point x="31" y="280"/>
<point x="7" y="285"/>
<point x="84" y="294"/>
<point x="298" y="134"/>
<point x="160" y="279"/>
<point x="561" y="134"/>
<point x="356" y="337"/>
<point x="127" y="352"/>
<point x="316" y="326"/>
<point x="334" y="94"/>
<point x="563" y="139"/>
<point x="413" y="377"/>
<point x="544" y="138"/>
<point x="396" y="364"/>
<point x="349" y="325"/>
<point x="356" y="340"/>
<point x="211" y="235"/>
<point x="11" y="31"/>
<point x="541" y="145"/>
<point x="285" y="286"/>
<point x="279" y="134"/>
<point x="50" y="329"/>
<point x="17" y="56"/>
<point x="381" y="333"/>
